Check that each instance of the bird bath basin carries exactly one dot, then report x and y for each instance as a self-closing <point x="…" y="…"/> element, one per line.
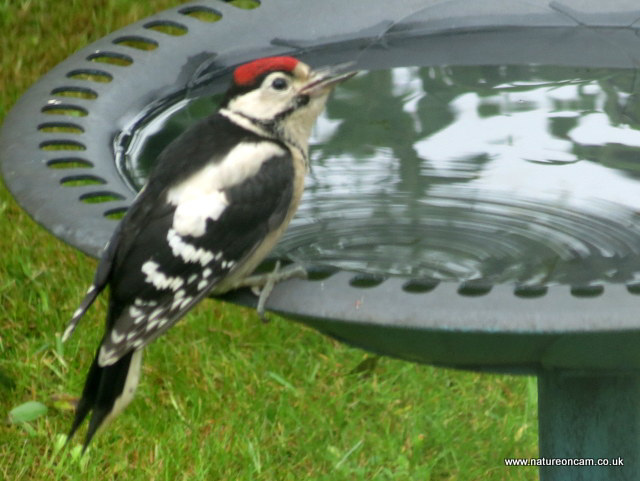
<point x="473" y="197"/>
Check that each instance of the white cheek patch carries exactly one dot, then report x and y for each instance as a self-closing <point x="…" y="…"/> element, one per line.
<point x="260" y="104"/>
<point x="201" y="197"/>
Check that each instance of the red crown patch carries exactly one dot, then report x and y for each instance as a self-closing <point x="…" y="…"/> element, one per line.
<point x="247" y="74"/>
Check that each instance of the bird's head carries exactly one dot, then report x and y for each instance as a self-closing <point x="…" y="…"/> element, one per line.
<point x="281" y="95"/>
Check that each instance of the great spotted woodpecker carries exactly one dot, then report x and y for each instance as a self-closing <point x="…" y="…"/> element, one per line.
<point x="216" y="202"/>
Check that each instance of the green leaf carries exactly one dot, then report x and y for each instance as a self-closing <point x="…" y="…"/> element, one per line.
<point x="27" y="412"/>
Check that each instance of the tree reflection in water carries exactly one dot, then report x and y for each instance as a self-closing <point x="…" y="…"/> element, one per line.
<point x="525" y="174"/>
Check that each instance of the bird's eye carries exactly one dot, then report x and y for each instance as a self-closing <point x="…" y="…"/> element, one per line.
<point x="279" y="84"/>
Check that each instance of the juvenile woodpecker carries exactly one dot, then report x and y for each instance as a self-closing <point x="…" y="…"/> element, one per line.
<point x="216" y="202"/>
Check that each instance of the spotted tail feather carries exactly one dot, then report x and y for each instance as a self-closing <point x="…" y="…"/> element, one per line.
<point x="91" y="296"/>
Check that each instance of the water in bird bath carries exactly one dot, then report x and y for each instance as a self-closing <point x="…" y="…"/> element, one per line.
<point x="525" y="174"/>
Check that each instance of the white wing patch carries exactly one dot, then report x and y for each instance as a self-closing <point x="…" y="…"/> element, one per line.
<point x="159" y="279"/>
<point x="188" y="252"/>
<point x="191" y="215"/>
<point x="201" y="196"/>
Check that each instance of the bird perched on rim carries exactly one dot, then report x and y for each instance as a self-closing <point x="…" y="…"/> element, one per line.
<point x="216" y="202"/>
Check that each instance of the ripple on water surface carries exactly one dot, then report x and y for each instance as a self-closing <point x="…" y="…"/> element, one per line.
<point x="525" y="174"/>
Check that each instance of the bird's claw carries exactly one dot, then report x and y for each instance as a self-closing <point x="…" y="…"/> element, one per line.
<point x="262" y="284"/>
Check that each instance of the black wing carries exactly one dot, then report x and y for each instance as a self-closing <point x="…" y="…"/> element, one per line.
<point x="149" y="213"/>
<point x="158" y="275"/>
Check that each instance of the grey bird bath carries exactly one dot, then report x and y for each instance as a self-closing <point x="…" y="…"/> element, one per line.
<point x="408" y="256"/>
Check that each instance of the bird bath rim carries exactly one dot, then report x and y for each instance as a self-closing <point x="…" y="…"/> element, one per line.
<point x="73" y="115"/>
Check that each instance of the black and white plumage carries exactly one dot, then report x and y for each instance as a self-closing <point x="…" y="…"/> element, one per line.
<point x="215" y="204"/>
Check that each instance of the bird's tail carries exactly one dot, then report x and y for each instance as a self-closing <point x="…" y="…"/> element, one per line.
<point x="91" y="296"/>
<point x="107" y="391"/>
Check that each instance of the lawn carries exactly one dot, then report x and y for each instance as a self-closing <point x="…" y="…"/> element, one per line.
<point x="223" y="396"/>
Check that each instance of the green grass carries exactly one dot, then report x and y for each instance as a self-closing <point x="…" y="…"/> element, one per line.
<point x="223" y="396"/>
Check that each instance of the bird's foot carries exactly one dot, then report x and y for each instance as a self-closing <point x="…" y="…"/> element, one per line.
<point x="262" y="284"/>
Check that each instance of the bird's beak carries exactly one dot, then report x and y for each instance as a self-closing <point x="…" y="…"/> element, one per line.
<point x="323" y="80"/>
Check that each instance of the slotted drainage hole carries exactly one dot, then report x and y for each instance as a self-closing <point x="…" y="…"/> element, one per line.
<point x="60" y="127"/>
<point x="320" y="273"/>
<point x="474" y="289"/>
<point x="420" y="286"/>
<point x="137" y="42"/>
<point x="366" y="281"/>
<point x="100" y="197"/>
<point x="62" y="145"/>
<point x="111" y="58"/>
<point x="244" y="4"/>
<point x="587" y="291"/>
<point x="167" y="27"/>
<point x="530" y="292"/>
<point x="75" y="92"/>
<point x="69" y="163"/>
<point x="201" y="13"/>
<point x="115" y="214"/>
<point x="64" y="109"/>
<point x="91" y="75"/>
<point x="81" y="180"/>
